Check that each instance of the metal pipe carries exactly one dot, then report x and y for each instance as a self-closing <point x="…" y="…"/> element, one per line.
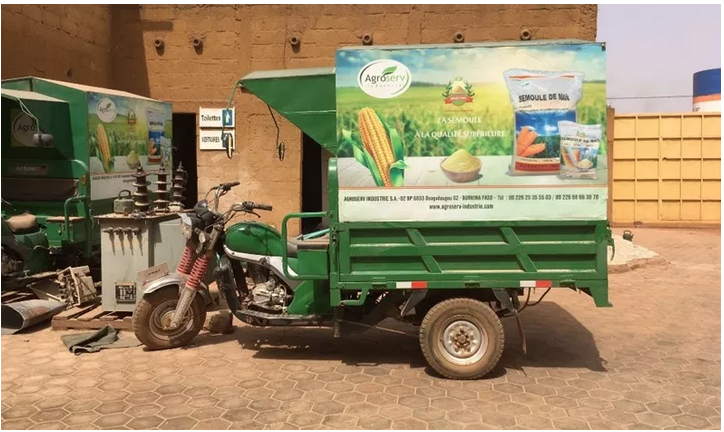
<point x="21" y="315"/>
<point x="66" y="211"/>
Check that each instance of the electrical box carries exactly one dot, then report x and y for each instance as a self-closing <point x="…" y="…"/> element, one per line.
<point x="130" y="246"/>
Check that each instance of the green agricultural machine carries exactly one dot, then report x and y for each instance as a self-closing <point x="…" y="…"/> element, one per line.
<point x="68" y="150"/>
<point x="447" y="207"/>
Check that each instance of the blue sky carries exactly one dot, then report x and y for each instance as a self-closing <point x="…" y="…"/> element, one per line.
<point x="476" y="65"/>
<point x="653" y="51"/>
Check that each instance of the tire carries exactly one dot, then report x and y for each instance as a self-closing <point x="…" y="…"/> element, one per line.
<point x="464" y="320"/>
<point x="147" y="320"/>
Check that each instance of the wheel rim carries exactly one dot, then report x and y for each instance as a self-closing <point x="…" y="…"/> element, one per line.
<point x="463" y="342"/>
<point x="161" y="317"/>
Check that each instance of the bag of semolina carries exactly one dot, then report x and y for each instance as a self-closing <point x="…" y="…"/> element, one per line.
<point x="540" y="100"/>
<point x="579" y="149"/>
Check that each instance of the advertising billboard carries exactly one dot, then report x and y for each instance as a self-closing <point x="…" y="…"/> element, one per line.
<point x="472" y="132"/>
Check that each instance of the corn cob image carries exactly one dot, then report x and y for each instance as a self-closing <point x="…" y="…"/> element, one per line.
<point x="376" y="142"/>
<point x="104" y="148"/>
<point x="378" y="148"/>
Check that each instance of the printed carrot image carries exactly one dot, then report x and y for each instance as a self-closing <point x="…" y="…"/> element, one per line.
<point x="526" y="137"/>
<point x="533" y="150"/>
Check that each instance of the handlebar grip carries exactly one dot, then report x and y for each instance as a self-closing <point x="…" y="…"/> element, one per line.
<point x="263" y="207"/>
<point x="229" y="185"/>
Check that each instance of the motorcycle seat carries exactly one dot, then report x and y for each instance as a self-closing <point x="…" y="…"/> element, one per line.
<point x="23" y="222"/>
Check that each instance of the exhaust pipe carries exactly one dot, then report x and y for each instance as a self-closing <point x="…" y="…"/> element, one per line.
<point x="21" y="315"/>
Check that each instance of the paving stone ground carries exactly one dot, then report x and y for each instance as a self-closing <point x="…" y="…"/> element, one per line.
<point x="652" y="361"/>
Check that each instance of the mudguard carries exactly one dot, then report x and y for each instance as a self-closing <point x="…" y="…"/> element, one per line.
<point x="178" y="280"/>
<point x="175" y="279"/>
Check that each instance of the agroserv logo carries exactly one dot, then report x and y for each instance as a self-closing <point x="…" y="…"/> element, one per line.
<point x="23" y="129"/>
<point x="106" y="110"/>
<point x="384" y="79"/>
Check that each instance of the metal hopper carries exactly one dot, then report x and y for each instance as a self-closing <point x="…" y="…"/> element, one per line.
<point x="306" y="97"/>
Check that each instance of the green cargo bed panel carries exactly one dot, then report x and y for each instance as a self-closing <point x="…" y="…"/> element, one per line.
<point x="512" y="251"/>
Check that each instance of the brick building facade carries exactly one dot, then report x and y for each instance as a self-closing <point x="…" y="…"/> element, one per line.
<point x="113" y="46"/>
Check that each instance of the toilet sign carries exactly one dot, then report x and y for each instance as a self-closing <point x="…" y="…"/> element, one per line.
<point x="211" y="123"/>
<point x="216" y="117"/>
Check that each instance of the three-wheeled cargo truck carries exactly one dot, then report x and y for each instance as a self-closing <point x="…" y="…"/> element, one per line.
<point x="68" y="152"/>
<point x="465" y="176"/>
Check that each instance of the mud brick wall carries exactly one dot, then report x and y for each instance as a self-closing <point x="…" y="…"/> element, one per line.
<point x="69" y="43"/>
<point x="241" y="39"/>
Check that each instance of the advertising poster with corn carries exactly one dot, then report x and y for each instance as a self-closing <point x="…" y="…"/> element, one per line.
<point x="472" y="132"/>
<point x="125" y="133"/>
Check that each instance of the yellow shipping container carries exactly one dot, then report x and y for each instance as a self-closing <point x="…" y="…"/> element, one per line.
<point x="667" y="169"/>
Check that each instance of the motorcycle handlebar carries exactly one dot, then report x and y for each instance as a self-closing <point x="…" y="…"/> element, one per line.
<point x="228" y="185"/>
<point x="248" y="205"/>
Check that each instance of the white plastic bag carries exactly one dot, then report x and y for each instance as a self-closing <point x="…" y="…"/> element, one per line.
<point x="579" y="149"/>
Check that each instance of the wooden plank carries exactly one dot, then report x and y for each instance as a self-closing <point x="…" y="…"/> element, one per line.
<point x="73" y="312"/>
<point x="73" y="324"/>
<point x="23" y="297"/>
<point x="8" y="294"/>
<point x="95" y="313"/>
<point x="125" y="324"/>
<point x="118" y="322"/>
<point x="10" y="297"/>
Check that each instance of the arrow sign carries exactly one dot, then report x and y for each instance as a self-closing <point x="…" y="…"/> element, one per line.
<point x="211" y="139"/>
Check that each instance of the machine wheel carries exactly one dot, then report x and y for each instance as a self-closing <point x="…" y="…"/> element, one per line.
<point x="462" y="338"/>
<point x="156" y="309"/>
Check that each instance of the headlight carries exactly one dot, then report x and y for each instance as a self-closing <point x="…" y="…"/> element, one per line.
<point x="187" y="227"/>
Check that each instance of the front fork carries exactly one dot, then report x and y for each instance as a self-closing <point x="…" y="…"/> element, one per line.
<point x="198" y="271"/>
<point x="196" y="274"/>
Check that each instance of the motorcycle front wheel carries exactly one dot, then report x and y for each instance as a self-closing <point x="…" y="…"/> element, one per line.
<point x="153" y="314"/>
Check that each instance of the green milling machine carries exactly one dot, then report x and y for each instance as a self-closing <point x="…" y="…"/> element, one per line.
<point x="69" y="150"/>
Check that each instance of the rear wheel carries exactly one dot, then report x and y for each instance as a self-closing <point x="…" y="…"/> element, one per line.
<point x="462" y="338"/>
<point x="153" y="315"/>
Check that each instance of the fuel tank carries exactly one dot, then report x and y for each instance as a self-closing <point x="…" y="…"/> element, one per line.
<point x="254" y="238"/>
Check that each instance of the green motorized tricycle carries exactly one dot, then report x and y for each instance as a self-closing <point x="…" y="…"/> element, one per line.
<point x="431" y="221"/>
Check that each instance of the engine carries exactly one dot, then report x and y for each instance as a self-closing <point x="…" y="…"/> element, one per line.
<point x="270" y="295"/>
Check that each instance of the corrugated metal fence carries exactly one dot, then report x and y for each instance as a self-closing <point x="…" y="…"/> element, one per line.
<point x="667" y="169"/>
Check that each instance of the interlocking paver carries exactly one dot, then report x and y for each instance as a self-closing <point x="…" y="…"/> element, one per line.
<point x="374" y="422"/>
<point x="646" y="363"/>
<point x="47" y="415"/>
<point x="305" y="419"/>
<point x="53" y="425"/>
<point x="145" y="422"/>
<point x="339" y="421"/>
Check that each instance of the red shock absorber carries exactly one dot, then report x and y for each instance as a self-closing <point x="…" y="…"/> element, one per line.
<point x="198" y="272"/>
<point x="186" y="261"/>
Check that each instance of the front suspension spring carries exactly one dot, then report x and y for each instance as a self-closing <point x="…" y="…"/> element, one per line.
<point x="198" y="272"/>
<point x="186" y="261"/>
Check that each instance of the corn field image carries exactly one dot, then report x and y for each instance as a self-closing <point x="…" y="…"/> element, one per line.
<point x="122" y="144"/>
<point x="419" y="109"/>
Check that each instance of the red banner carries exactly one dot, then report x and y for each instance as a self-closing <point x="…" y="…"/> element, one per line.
<point x="451" y="99"/>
